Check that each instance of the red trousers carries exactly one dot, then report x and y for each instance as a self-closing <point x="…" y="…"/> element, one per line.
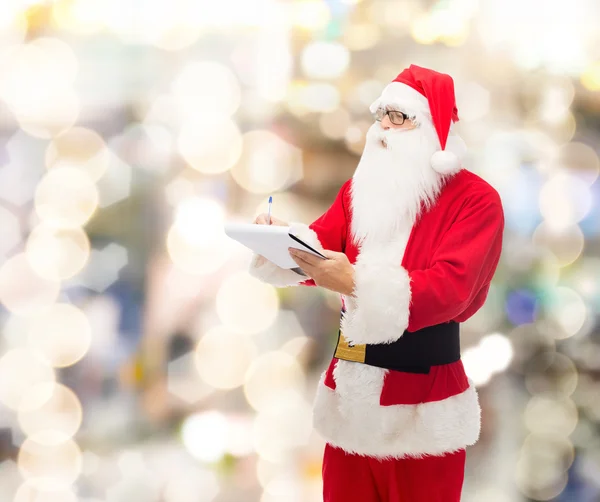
<point x="354" y="478"/>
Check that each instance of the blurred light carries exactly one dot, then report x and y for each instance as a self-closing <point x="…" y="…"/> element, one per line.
<point x="541" y="469"/>
<point x="20" y="370"/>
<point x="223" y="357"/>
<point x="178" y="190"/>
<point x="61" y="334"/>
<point x="131" y="463"/>
<point x="474" y="101"/>
<point x="197" y="242"/>
<point x="320" y="97"/>
<point x="115" y="185"/>
<point x="200" y="220"/>
<point x="501" y="164"/>
<point x="170" y="26"/>
<point x="239" y="436"/>
<point x="66" y="198"/>
<point x="335" y="124"/>
<point x="79" y="16"/>
<point x="22" y="291"/>
<point x="518" y="187"/>
<point x="564" y="200"/>
<point x="41" y="110"/>
<point x="206" y="88"/>
<point x="288" y="489"/>
<point x="267" y="470"/>
<point x="581" y="160"/>
<point x="590" y="78"/>
<point x="30" y="491"/>
<point x="184" y="382"/>
<point x="567" y="308"/>
<point x="563" y="130"/>
<point x="296" y="346"/>
<point x="584" y="277"/>
<point x="326" y="60"/>
<point x="246" y="305"/>
<point x="501" y="31"/>
<point x="50" y="407"/>
<point x="197" y="485"/>
<point x="309" y="14"/>
<point x="355" y="136"/>
<point x="57" y="462"/>
<point x="521" y="307"/>
<point x="271" y="378"/>
<point x="148" y="147"/>
<point x="551" y="374"/>
<point x="103" y="268"/>
<point x="57" y="254"/>
<point x="395" y="14"/>
<point x="11" y="232"/>
<point x="499" y="347"/>
<point x="361" y="36"/>
<point x="423" y="30"/>
<point x="556" y="99"/>
<point x="282" y="426"/>
<point x="565" y="243"/>
<point x="364" y="94"/>
<point x="268" y="163"/>
<point x="198" y="260"/>
<point x="79" y="148"/>
<point x="490" y="315"/>
<point x="210" y="146"/>
<point x="545" y="415"/>
<point x="492" y="355"/>
<point x="204" y="435"/>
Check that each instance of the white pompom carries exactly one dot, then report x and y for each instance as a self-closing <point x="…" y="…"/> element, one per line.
<point x="445" y="162"/>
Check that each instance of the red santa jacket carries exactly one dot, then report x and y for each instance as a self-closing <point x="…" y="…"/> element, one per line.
<point x="449" y="257"/>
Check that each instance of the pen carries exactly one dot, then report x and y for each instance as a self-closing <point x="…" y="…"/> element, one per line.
<point x="270" y="203"/>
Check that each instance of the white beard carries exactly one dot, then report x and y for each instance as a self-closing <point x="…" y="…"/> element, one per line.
<point x="392" y="181"/>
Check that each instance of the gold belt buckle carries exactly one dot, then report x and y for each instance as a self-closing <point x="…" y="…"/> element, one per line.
<point x="348" y="352"/>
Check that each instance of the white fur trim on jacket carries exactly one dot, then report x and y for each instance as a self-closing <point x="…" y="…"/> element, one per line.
<point x="351" y="418"/>
<point x="378" y="310"/>
<point x="281" y="277"/>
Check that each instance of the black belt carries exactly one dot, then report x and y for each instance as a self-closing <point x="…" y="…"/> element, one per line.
<point x="413" y="352"/>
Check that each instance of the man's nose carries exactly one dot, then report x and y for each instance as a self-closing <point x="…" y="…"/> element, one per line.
<point x="385" y="123"/>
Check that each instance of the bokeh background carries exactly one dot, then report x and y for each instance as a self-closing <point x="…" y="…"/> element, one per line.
<point x="138" y="359"/>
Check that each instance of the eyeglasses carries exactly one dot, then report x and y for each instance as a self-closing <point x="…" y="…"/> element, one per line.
<point x="396" y="117"/>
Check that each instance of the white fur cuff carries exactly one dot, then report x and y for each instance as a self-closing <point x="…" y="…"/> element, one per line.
<point x="378" y="311"/>
<point x="272" y="274"/>
<point x="281" y="277"/>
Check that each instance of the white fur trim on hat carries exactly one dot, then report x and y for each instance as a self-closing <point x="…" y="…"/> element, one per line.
<point x="449" y="161"/>
<point x="405" y="98"/>
<point x="445" y="162"/>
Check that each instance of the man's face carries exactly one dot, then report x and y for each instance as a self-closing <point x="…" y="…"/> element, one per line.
<point x="392" y="119"/>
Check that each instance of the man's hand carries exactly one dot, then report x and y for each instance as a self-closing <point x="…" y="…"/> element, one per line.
<point x="263" y="219"/>
<point x="336" y="273"/>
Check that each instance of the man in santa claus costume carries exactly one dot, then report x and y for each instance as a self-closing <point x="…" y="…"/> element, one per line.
<point x="412" y="242"/>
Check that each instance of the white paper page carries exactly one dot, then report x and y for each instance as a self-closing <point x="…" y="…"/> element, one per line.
<point x="270" y="241"/>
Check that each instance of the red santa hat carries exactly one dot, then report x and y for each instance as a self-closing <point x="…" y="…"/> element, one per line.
<point x="428" y="95"/>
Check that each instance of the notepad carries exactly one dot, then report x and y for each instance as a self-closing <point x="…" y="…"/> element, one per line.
<point x="270" y="241"/>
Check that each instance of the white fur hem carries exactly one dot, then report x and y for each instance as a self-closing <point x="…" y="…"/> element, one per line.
<point x="281" y="277"/>
<point x="378" y="311"/>
<point x="433" y="428"/>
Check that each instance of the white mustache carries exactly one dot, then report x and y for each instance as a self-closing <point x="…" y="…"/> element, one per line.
<point x="386" y="138"/>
